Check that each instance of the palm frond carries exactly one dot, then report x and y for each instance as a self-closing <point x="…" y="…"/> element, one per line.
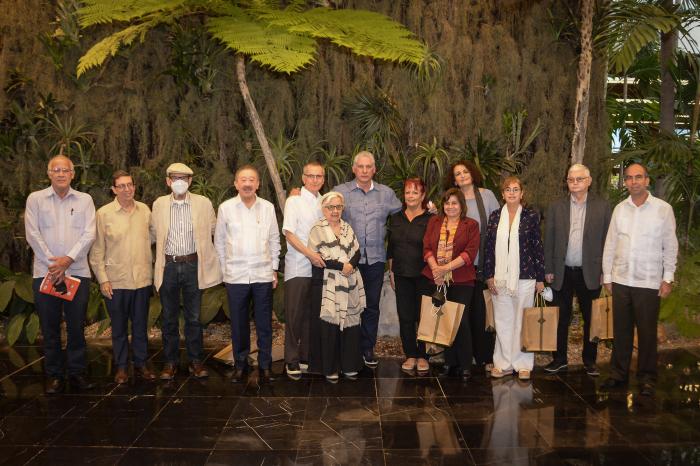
<point x="629" y="26"/>
<point x="100" y="12"/>
<point x="365" y="33"/>
<point x="110" y="45"/>
<point x="269" y="46"/>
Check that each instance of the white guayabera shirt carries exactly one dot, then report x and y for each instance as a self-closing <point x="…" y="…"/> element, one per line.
<point x="641" y="247"/>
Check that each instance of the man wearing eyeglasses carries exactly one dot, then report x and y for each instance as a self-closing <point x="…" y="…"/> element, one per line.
<point x="182" y="225"/>
<point x="573" y="250"/>
<point x="367" y="207"/>
<point x="248" y="246"/>
<point x="122" y="261"/>
<point x="639" y="263"/>
<point x="59" y="224"/>
<point x="300" y="214"/>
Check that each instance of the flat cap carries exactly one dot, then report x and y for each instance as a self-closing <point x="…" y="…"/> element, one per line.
<point x="180" y="168"/>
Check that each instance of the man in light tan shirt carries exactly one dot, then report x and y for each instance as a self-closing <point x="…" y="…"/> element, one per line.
<point x="122" y="261"/>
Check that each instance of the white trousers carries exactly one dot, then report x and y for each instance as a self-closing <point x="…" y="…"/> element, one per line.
<point x="508" y="314"/>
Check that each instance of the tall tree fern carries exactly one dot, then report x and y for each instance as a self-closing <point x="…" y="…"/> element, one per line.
<point x="282" y="39"/>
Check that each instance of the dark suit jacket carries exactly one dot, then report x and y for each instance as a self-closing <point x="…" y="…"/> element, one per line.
<point x="556" y="239"/>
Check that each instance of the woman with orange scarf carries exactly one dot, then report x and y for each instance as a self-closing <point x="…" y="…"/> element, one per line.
<point x="450" y="244"/>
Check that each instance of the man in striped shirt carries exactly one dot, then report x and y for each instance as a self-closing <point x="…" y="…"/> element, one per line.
<point x="182" y="225"/>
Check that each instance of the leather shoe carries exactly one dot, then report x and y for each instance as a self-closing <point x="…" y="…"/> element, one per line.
<point x="466" y="375"/>
<point x="168" y="372"/>
<point x="121" y="376"/>
<point x="239" y="374"/>
<point x="611" y="383"/>
<point x="145" y="373"/>
<point x="197" y="369"/>
<point x="54" y="386"/>
<point x="446" y="371"/>
<point x="647" y="389"/>
<point x="78" y="382"/>
<point x="265" y="376"/>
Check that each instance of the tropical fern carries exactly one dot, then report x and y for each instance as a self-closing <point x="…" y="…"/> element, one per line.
<point x="102" y="12"/>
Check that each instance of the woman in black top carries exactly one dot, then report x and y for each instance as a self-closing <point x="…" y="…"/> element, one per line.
<point x="405" y="254"/>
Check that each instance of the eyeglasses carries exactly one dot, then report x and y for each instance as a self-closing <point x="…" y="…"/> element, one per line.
<point x="635" y="177"/>
<point x="314" y="177"/>
<point x="180" y="177"/>
<point x="512" y="190"/>
<point x="333" y="208"/>
<point x="124" y="187"/>
<point x="578" y="179"/>
<point x="57" y="170"/>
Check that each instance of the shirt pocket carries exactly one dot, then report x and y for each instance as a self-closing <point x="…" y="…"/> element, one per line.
<point x="77" y="220"/>
<point x="46" y="219"/>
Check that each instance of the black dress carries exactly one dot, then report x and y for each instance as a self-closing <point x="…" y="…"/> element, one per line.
<point x="332" y="351"/>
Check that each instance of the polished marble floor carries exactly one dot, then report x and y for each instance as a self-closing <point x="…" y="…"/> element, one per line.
<point x="385" y="417"/>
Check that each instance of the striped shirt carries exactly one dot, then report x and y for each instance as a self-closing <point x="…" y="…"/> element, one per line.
<point x="180" y="240"/>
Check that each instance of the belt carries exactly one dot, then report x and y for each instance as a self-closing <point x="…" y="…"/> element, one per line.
<point x="576" y="267"/>
<point x="186" y="258"/>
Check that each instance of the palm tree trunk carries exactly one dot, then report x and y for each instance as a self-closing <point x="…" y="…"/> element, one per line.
<point x="667" y="92"/>
<point x="259" y="131"/>
<point x="583" y="88"/>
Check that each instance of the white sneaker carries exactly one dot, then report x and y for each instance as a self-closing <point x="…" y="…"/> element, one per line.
<point x="333" y="377"/>
<point x="304" y="367"/>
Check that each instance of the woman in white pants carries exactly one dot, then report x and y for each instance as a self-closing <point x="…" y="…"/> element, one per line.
<point x="514" y="270"/>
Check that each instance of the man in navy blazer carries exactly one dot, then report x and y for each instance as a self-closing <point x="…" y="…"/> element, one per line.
<point x="575" y="232"/>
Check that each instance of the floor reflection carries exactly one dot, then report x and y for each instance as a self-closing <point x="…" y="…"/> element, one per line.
<point x="386" y="417"/>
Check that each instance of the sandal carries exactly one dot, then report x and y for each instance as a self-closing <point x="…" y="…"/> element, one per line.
<point x="423" y="366"/>
<point x="409" y="364"/>
<point x="497" y="373"/>
<point x="524" y="374"/>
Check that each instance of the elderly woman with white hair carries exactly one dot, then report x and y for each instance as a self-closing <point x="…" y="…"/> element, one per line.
<point x="338" y="294"/>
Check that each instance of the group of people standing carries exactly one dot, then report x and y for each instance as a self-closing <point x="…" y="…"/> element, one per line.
<point x="335" y="264"/>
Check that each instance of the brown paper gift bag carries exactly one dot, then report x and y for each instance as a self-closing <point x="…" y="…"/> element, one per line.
<point x="539" y="330"/>
<point x="490" y="319"/>
<point x="439" y="324"/>
<point x="602" y="318"/>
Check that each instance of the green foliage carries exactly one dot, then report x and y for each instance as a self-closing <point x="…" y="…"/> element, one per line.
<point x="682" y="307"/>
<point x="23" y="288"/>
<point x="14" y="328"/>
<point x="32" y="328"/>
<point x="194" y="59"/>
<point x="154" y="310"/>
<point x="6" y="289"/>
<point x="431" y="163"/>
<point x="212" y="301"/>
<point x="486" y="155"/>
<point x="337" y="165"/>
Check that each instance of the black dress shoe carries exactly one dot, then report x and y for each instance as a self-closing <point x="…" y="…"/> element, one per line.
<point x="466" y="375"/>
<point x="239" y="374"/>
<point x="446" y="371"/>
<point x="54" y="386"/>
<point x="265" y="376"/>
<point x="647" y="389"/>
<point x="78" y="382"/>
<point x="591" y="370"/>
<point x="611" y="383"/>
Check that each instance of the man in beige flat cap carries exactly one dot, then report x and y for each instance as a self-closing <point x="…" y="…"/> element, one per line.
<point x="182" y="225"/>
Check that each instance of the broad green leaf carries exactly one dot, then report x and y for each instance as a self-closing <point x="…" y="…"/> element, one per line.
<point x="6" y="289"/>
<point x="14" y="328"/>
<point x="23" y="288"/>
<point x="16" y="359"/>
<point x="32" y="327"/>
<point x="212" y="299"/>
<point x="94" y="303"/>
<point x="154" y="310"/>
<point x="104" y="325"/>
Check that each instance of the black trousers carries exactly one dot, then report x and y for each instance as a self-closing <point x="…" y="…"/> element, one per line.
<point x="409" y="291"/>
<point x="483" y="342"/>
<point x="460" y="354"/>
<point x="634" y="306"/>
<point x="50" y="310"/>
<point x="574" y="283"/>
<point x="125" y="306"/>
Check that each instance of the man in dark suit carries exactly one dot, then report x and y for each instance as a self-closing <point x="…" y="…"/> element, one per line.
<point x="573" y="252"/>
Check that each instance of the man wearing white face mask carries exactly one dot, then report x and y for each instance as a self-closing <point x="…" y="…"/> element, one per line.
<point x="182" y="225"/>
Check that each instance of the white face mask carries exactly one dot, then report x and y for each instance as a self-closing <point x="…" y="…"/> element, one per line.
<point x="179" y="187"/>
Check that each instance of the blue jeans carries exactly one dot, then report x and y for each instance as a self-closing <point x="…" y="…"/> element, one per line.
<point x="239" y="296"/>
<point x="50" y="310"/>
<point x="373" y="279"/>
<point x="128" y="305"/>
<point x="181" y="277"/>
